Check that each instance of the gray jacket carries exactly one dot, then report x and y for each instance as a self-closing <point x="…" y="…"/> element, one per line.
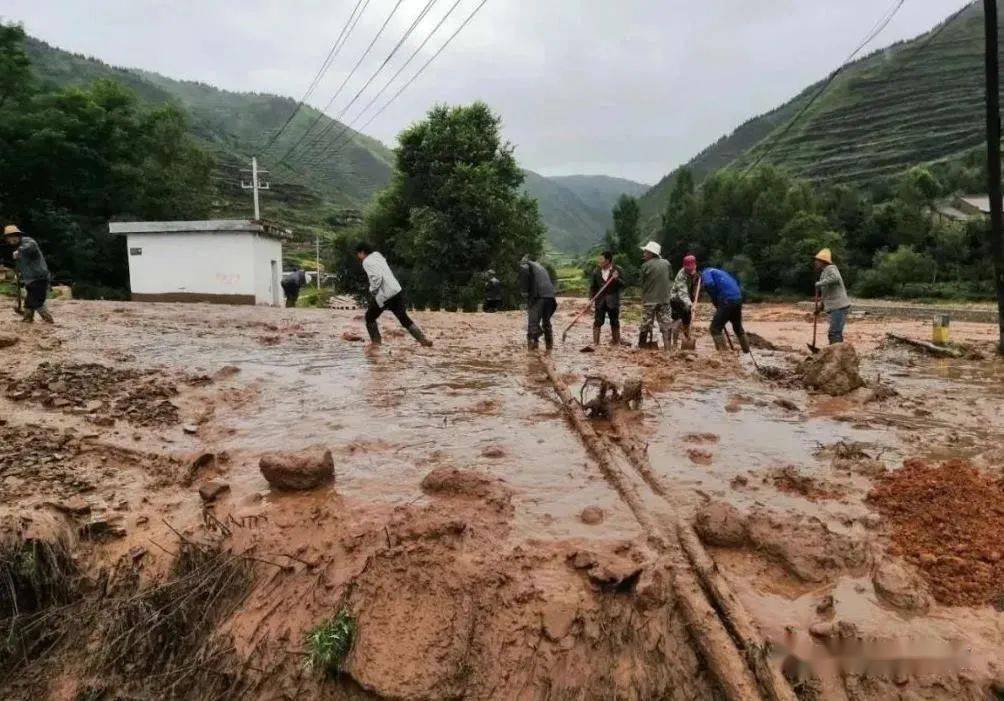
<point x="31" y="262"/>
<point x="656" y="278"/>
<point x="831" y="289"/>
<point x="534" y="281"/>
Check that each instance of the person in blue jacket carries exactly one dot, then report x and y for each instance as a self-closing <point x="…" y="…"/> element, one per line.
<point x="727" y="296"/>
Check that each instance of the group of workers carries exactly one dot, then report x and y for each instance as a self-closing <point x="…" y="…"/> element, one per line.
<point x="669" y="300"/>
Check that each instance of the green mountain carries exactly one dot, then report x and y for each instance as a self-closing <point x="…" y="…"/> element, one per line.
<point x="577" y="208"/>
<point x="915" y="102"/>
<point x="316" y="187"/>
<point x="304" y="192"/>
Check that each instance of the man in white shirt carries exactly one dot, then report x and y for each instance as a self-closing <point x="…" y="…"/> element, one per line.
<point x="385" y="294"/>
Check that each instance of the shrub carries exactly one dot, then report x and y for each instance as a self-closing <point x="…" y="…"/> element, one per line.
<point x="329" y="643"/>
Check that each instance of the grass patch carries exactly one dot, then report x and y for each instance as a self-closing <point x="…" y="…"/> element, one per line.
<point x="329" y="643"/>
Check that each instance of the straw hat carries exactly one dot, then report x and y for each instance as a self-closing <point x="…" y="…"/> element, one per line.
<point x="825" y="255"/>
<point x="12" y="230"/>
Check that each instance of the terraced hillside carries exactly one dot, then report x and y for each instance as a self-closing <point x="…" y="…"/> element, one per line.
<point x="915" y="102"/>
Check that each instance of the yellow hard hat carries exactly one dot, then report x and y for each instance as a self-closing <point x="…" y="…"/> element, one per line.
<point x="11" y="229"/>
<point x="825" y="256"/>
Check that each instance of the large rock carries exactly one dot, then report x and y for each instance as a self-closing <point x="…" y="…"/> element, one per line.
<point x="298" y="471"/>
<point x="721" y="524"/>
<point x="834" y="370"/>
<point x="900" y="587"/>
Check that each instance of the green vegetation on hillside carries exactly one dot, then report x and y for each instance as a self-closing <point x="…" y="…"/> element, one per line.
<point x="452" y="212"/>
<point x="917" y="102"/>
<point x="72" y="158"/>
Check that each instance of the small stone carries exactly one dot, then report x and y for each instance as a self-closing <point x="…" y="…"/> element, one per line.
<point x="557" y="620"/>
<point x="825" y="605"/>
<point x="592" y="515"/>
<point x="137" y="553"/>
<point x="582" y="560"/>
<point x="212" y="490"/>
<point x="76" y="506"/>
<point x="786" y="404"/>
<point x="493" y="451"/>
<point x="190" y="429"/>
<point x="7" y="341"/>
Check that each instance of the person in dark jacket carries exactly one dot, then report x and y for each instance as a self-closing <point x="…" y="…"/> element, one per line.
<point x="535" y="283"/>
<point x="34" y="273"/>
<point x="727" y="296"/>
<point x="292" y="283"/>
<point x="493" y="292"/>
<point x="606" y="284"/>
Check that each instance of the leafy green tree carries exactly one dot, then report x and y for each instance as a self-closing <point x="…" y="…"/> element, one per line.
<point x="16" y="79"/>
<point x="72" y="160"/>
<point x="453" y="209"/>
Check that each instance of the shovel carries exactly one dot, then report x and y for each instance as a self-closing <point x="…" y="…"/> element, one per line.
<point x="815" y="325"/>
<point x="690" y="343"/>
<point x="564" y="334"/>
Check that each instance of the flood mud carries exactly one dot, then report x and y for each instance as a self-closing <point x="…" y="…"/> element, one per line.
<point x="474" y="533"/>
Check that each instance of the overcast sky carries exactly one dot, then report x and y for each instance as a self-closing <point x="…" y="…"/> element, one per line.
<point x="630" y="88"/>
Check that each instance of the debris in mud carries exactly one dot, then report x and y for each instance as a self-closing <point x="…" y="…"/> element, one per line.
<point x="947" y="519"/>
<point x="212" y="490"/>
<point x="352" y="336"/>
<point x="785" y="403"/>
<point x="789" y="480"/>
<point x="761" y="343"/>
<point x="900" y="587"/>
<point x="100" y="392"/>
<point x="493" y="451"/>
<point x="835" y="370"/>
<point x="699" y="457"/>
<point x="7" y="341"/>
<point x="609" y="396"/>
<point x="451" y="481"/>
<point x="804" y="546"/>
<point x="591" y="515"/>
<point x="299" y="471"/>
<point x="33" y="458"/>
<point x="701" y="438"/>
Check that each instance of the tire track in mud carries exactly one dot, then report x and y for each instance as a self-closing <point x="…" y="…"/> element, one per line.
<point x="721" y="628"/>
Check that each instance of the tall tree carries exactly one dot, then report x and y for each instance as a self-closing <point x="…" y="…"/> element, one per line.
<point x="453" y="209"/>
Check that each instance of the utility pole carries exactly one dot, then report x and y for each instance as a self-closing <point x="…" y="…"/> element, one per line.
<point x="994" y="160"/>
<point x="255" y="185"/>
<point x="317" y="258"/>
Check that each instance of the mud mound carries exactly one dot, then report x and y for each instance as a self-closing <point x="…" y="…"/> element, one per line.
<point x="948" y="519"/>
<point x="789" y="480"/>
<point x="34" y="460"/>
<point x="453" y="482"/>
<point x="803" y="546"/>
<point x="835" y="370"/>
<point x="469" y="618"/>
<point x="102" y="393"/>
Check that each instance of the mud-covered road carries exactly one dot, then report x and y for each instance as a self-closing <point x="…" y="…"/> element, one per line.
<point x="478" y="546"/>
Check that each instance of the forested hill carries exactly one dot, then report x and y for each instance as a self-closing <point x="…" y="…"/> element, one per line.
<point x="916" y="102"/>
<point x="232" y="125"/>
<point x="577" y="208"/>
<point x="316" y="185"/>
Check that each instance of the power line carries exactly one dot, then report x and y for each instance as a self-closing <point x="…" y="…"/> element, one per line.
<point x="874" y="32"/>
<point x="329" y="59"/>
<point x="329" y="127"/>
<point x="336" y="142"/>
<point x="424" y="66"/>
<point x="341" y="87"/>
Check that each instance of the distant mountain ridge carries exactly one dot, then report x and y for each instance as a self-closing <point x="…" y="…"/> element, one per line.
<point x="310" y="191"/>
<point x="917" y="101"/>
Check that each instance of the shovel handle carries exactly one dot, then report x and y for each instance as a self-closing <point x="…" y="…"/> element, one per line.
<point x="588" y="307"/>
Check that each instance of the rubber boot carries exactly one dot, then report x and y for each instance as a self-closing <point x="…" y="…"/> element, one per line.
<point x="374" y="332"/>
<point x="615" y="336"/>
<point x="642" y="339"/>
<point x="29" y="316"/>
<point x="46" y="316"/>
<point x="720" y="344"/>
<point x="548" y="340"/>
<point x="665" y="340"/>
<point x="744" y="342"/>
<point x="419" y="336"/>
<point x="532" y="344"/>
<point x="596" y="335"/>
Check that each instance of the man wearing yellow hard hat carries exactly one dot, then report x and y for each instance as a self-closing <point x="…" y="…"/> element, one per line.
<point x="831" y="295"/>
<point x="34" y="272"/>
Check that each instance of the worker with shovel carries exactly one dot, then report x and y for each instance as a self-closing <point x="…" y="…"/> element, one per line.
<point x="682" y="298"/>
<point x="831" y="295"/>
<point x="605" y="289"/>
<point x="656" y="279"/>
<point x="385" y="294"/>
<point x="727" y="296"/>
<point x="34" y="273"/>
<point x="536" y="284"/>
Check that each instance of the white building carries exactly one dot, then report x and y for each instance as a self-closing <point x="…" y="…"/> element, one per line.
<point x="223" y="261"/>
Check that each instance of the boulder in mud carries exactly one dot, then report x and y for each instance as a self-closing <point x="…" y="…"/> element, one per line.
<point x="591" y="515"/>
<point x="450" y="481"/>
<point x="299" y="471"/>
<point x="721" y="524"/>
<point x="900" y="587"/>
<point x="805" y="547"/>
<point x="835" y="370"/>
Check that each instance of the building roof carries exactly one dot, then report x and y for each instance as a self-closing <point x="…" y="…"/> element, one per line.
<point x="950" y="212"/>
<point x="210" y="226"/>
<point x="980" y="202"/>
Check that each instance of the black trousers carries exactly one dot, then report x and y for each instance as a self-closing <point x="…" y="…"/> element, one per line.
<point x="603" y="311"/>
<point x="728" y="312"/>
<point x="395" y="305"/>
<point x="35" y="293"/>
<point x="538" y="317"/>
<point x="292" y="292"/>
<point x="492" y="305"/>
<point x="680" y="312"/>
